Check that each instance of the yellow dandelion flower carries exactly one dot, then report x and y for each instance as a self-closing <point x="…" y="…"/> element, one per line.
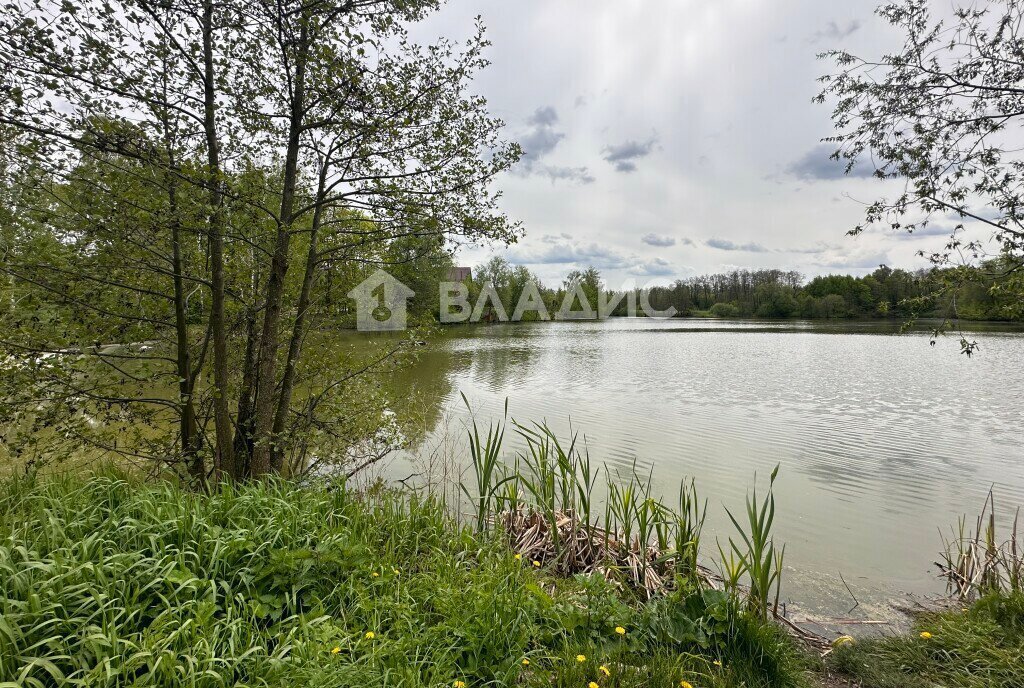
<point x="370" y="635"/>
<point x="581" y="658"/>
<point x="685" y="684"/>
<point x="458" y="684"/>
<point x="620" y="630"/>
<point x="374" y="575"/>
<point x="593" y="684"/>
<point x="926" y="635"/>
<point x="335" y="650"/>
<point x="604" y="670"/>
<point x="518" y="556"/>
<point x="395" y="571"/>
<point x="717" y="663"/>
<point x="526" y="662"/>
<point x="536" y="563"/>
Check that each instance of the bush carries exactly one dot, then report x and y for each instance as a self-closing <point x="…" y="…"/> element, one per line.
<point x="725" y="310"/>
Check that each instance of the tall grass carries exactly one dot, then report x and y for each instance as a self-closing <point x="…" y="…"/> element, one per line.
<point x="110" y="581"/>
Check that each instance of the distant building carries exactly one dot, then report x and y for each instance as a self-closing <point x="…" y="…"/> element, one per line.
<point x="459" y="274"/>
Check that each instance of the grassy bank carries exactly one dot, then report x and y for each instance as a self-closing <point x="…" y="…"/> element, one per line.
<point x="981" y="646"/>
<point x="108" y="581"/>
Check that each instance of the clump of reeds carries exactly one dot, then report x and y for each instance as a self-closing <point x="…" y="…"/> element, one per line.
<point x="544" y="504"/>
<point x="976" y="563"/>
<point x="549" y="517"/>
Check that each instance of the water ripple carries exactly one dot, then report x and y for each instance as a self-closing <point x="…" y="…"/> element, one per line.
<point x="881" y="438"/>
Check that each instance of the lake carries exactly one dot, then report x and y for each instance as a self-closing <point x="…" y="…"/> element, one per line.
<point x="882" y="439"/>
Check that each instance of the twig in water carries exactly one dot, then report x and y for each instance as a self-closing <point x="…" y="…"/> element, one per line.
<point x="856" y="601"/>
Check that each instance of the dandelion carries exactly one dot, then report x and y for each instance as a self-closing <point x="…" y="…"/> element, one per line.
<point x="685" y="684"/>
<point x="526" y="662"/>
<point x="395" y="571"/>
<point x="335" y="650"/>
<point x="593" y="684"/>
<point x="620" y="630"/>
<point x="374" y="575"/>
<point x="536" y="563"/>
<point x="518" y="556"/>
<point x="604" y="670"/>
<point x="717" y="663"/>
<point x="581" y="658"/>
<point x="926" y="635"/>
<point x="458" y="684"/>
<point x="370" y="635"/>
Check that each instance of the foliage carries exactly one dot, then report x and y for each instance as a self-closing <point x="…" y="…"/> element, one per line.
<point x="758" y="557"/>
<point x="940" y="117"/>
<point x="108" y="581"/>
<point x="194" y="187"/>
<point x="884" y="293"/>
<point x="724" y="310"/>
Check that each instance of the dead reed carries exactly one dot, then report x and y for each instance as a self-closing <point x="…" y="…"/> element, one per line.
<point x="544" y="503"/>
<point x="976" y="563"/>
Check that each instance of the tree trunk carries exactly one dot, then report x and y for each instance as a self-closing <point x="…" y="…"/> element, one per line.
<point x="264" y="458"/>
<point x="243" y="428"/>
<point x="190" y="438"/>
<point x="224" y="463"/>
<point x="298" y="331"/>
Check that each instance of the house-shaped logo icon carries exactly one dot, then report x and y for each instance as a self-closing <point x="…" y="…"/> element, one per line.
<point x="380" y="303"/>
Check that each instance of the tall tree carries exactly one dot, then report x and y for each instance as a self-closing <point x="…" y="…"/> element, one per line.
<point x="262" y="134"/>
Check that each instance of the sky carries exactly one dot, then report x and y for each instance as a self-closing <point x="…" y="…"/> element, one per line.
<point x="665" y="139"/>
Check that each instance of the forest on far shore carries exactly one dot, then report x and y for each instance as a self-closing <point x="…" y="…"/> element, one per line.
<point x="970" y="293"/>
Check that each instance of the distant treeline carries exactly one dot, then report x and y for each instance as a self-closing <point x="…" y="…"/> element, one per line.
<point x="964" y="292"/>
<point x="887" y="292"/>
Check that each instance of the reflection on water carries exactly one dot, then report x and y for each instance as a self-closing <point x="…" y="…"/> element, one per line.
<point x="881" y="438"/>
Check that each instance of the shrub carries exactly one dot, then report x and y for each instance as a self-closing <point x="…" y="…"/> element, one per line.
<point x="725" y="310"/>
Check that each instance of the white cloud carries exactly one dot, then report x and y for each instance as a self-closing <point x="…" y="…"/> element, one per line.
<point x="660" y="240"/>
<point x="727" y="245"/>
<point x="561" y="250"/>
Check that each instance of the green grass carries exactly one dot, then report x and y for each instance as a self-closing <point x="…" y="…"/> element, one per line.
<point x="108" y="581"/>
<point x="980" y="647"/>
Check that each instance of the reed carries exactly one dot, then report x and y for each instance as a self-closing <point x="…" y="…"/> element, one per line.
<point x="485" y="454"/>
<point x="977" y="562"/>
<point x="545" y="503"/>
<point x="760" y="560"/>
<point x="689" y="522"/>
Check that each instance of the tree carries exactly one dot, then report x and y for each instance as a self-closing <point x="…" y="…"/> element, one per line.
<point x="263" y="135"/>
<point x="588" y="281"/>
<point x="942" y="117"/>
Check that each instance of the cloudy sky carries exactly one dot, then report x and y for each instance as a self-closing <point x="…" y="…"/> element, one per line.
<point x="670" y="138"/>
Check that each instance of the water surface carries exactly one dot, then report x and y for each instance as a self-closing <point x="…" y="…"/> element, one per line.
<point x="882" y="439"/>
